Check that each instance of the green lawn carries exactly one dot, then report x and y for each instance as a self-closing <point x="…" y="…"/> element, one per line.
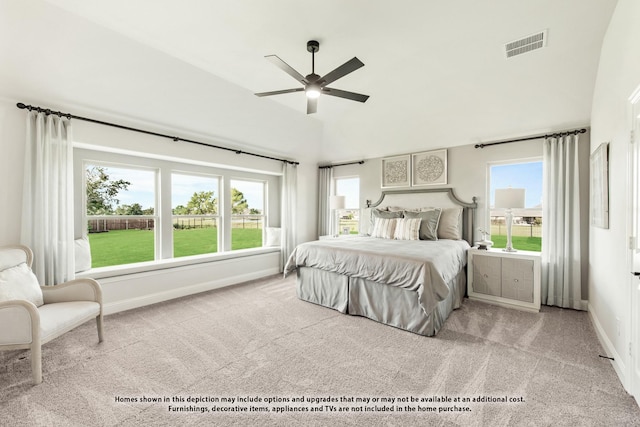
<point x="129" y="246"/>
<point x="518" y="242"/>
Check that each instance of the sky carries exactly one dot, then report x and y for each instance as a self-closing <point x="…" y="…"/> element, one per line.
<point x="519" y="175"/>
<point x="350" y="188"/>
<point x="142" y="187"/>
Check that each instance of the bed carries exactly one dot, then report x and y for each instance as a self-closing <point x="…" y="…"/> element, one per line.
<point x="409" y="284"/>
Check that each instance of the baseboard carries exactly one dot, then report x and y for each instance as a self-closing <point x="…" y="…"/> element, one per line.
<point x="609" y="348"/>
<point x="116" y="307"/>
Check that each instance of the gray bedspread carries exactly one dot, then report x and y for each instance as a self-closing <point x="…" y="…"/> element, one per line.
<point x="423" y="266"/>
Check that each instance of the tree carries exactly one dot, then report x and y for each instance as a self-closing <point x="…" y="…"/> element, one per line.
<point x="254" y="211"/>
<point x="134" y="209"/>
<point x="180" y="210"/>
<point x="238" y="202"/>
<point x="202" y="203"/>
<point x="102" y="192"/>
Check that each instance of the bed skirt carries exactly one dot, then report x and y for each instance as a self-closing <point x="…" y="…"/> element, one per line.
<point x="386" y="304"/>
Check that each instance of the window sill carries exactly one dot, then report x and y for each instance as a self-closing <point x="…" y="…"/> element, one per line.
<point x="141" y="267"/>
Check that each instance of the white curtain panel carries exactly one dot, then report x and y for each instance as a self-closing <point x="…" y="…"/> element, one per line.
<point x="47" y="203"/>
<point x="561" y="277"/>
<point x="324" y="192"/>
<point x="289" y="201"/>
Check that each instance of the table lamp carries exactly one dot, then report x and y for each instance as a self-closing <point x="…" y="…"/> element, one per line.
<point x="335" y="204"/>
<point x="508" y="199"/>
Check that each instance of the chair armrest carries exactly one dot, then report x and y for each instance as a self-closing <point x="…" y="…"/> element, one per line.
<point x="74" y="290"/>
<point x="23" y="321"/>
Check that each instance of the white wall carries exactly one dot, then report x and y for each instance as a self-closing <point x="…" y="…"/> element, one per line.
<point x="467" y="174"/>
<point x="138" y="289"/>
<point x="618" y="77"/>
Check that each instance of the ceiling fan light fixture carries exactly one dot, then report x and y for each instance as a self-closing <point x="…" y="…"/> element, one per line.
<point x="313" y="91"/>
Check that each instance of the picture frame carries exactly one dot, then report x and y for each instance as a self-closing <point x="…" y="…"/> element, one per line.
<point x="429" y="168"/>
<point x="395" y="171"/>
<point x="600" y="186"/>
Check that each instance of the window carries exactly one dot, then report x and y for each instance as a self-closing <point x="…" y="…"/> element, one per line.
<point x="120" y="209"/>
<point x="148" y="209"/>
<point x="195" y="214"/>
<point x="527" y="222"/>
<point x="349" y="218"/>
<point x="247" y="214"/>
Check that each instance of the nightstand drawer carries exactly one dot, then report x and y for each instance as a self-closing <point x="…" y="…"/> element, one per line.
<point x="486" y="275"/>
<point x="517" y="279"/>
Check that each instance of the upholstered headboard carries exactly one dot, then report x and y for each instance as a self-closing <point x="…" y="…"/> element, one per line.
<point x="427" y="197"/>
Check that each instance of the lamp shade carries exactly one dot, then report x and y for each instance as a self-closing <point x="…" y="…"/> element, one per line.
<point x="337" y="202"/>
<point x="510" y="198"/>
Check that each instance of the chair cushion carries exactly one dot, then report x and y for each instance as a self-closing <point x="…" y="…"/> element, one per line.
<point x="82" y="252"/>
<point x="11" y="257"/>
<point x="273" y="236"/>
<point x="60" y="317"/>
<point x="19" y="283"/>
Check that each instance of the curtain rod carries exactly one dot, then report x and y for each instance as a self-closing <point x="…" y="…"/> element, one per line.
<point x="341" y="164"/>
<point x="551" y="135"/>
<point x="69" y="116"/>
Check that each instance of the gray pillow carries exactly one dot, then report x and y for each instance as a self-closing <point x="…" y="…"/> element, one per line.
<point x="450" y="223"/>
<point x="377" y="213"/>
<point x="429" y="223"/>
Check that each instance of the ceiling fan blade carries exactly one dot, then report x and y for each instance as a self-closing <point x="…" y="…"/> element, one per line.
<point x="279" y="92"/>
<point x="346" y="68"/>
<point x="312" y="105"/>
<point x="344" y="94"/>
<point x="286" y="68"/>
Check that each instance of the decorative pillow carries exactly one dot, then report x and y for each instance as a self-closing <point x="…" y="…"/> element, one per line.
<point x="449" y="226"/>
<point x="384" y="228"/>
<point x="407" y="229"/>
<point x="394" y="209"/>
<point x="377" y="213"/>
<point x="273" y="236"/>
<point x="82" y="252"/>
<point x="19" y="283"/>
<point x="429" y="224"/>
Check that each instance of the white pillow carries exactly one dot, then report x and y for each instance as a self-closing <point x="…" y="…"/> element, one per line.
<point x="19" y="283"/>
<point x="273" y="236"/>
<point x="82" y="252"/>
<point x="384" y="228"/>
<point x="407" y="229"/>
<point x="382" y="213"/>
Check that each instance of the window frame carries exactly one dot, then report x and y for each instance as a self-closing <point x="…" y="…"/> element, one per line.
<point x="219" y="216"/>
<point x="347" y="208"/>
<point x="265" y="210"/>
<point x="163" y="247"/>
<point x="156" y="187"/>
<point x="490" y="164"/>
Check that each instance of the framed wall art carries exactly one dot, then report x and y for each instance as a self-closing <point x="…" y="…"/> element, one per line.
<point x="429" y="168"/>
<point x="395" y="171"/>
<point x="600" y="186"/>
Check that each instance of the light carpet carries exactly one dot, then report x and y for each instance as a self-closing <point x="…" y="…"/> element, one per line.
<point x="258" y="341"/>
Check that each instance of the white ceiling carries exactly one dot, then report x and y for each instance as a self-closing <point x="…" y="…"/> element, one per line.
<point x="435" y="70"/>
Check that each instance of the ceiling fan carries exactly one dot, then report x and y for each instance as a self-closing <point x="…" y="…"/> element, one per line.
<point x="313" y="84"/>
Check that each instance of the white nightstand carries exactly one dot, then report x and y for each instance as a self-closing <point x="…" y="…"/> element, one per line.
<point x="509" y="279"/>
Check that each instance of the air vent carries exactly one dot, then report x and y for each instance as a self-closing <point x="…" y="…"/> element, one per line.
<point x="526" y="44"/>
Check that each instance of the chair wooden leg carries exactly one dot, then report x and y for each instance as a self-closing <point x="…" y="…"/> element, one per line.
<point x="36" y="361"/>
<point x="100" y="329"/>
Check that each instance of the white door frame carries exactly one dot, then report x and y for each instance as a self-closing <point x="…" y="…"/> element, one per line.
<point x="633" y="231"/>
